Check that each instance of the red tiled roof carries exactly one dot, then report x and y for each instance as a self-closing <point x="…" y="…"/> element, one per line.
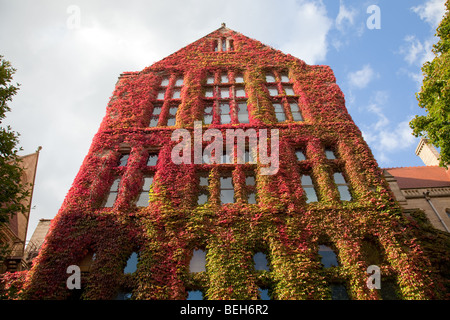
<point x="421" y="177"/>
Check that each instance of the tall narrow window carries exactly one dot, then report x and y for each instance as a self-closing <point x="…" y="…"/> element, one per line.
<point x="328" y="257"/>
<point x="300" y="155"/>
<point x="216" y="46"/>
<point x="203" y="190"/>
<point x="225" y="113"/>
<point x="132" y="261"/>
<point x="155" y="116"/>
<point x="243" y="112"/>
<point x="264" y="294"/>
<point x="113" y="191"/>
<point x="309" y="189"/>
<point x="260" y="261"/>
<point x="344" y="191"/>
<point x="152" y="159"/>
<point x="250" y="183"/>
<point x="161" y="94"/>
<point x="176" y="94"/>
<point x="208" y="113"/>
<point x="144" y="194"/>
<point x="224" y="44"/>
<point x="230" y="45"/>
<point x="123" y="159"/>
<point x="198" y="261"/>
<point x="171" y="118"/>
<point x="329" y="154"/>
<point x="295" y="111"/>
<point x="226" y="190"/>
<point x="279" y="112"/>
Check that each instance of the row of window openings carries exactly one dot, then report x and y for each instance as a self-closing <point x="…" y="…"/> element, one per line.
<point x="226" y="114"/>
<point x="198" y="264"/>
<point x="227" y="194"/>
<point x="225" y="92"/>
<point x="224" y="78"/>
<point x="260" y="263"/>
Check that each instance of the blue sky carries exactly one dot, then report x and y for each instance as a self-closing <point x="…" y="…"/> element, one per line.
<point x="68" y="71"/>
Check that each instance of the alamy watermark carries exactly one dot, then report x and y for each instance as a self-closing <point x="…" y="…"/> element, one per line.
<point x="374" y="20"/>
<point x="236" y="146"/>
<point x="74" y="20"/>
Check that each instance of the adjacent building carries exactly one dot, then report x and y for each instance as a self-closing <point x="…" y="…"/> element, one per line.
<point x="14" y="233"/>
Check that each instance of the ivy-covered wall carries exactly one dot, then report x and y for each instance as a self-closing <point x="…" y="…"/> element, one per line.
<point x="282" y="224"/>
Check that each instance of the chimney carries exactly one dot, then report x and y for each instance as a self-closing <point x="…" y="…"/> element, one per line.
<point x="428" y="153"/>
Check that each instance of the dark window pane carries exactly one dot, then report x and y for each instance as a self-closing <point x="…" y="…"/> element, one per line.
<point x="311" y="194"/>
<point x="111" y="199"/>
<point x="260" y="260"/>
<point x="202" y="199"/>
<point x="289" y="90"/>
<point x="270" y="78"/>
<point x="153" y="122"/>
<point x="165" y="82"/>
<point x="143" y="199"/>
<point x="131" y="263"/>
<point x="328" y="257"/>
<point x="339" y="292"/>
<point x="227" y="196"/>
<point x="344" y="193"/>
<point x="123" y="160"/>
<point x="195" y="295"/>
<point x="329" y="154"/>
<point x="198" y="261"/>
<point x="179" y="82"/>
<point x="264" y="294"/>
<point x="152" y="160"/>
<point x="388" y="290"/>
<point x="300" y="155"/>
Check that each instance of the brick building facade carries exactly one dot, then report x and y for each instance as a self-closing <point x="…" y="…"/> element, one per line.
<point x="139" y="225"/>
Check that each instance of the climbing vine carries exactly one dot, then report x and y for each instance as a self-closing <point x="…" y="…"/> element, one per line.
<point x="281" y="224"/>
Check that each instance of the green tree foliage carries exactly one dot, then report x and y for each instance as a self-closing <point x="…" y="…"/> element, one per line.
<point x="434" y="96"/>
<point x="12" y="191"/>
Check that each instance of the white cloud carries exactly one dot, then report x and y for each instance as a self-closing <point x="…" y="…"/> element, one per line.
<point x="361" y="78"/>
<point x="310" y="26"/>
<point x="345" y="17"/>
<point x="417" y="52"/>
<point x="384" y="137"/>
<point x="432" y="12"/>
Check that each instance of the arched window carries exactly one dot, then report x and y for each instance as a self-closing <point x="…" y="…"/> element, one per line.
<point x="339" y="292"/>
<point x="195" y="295"/>
<point x="198" y="261"/>
<point x="264" y="294"/>
<point x="328" y="257"/>
<point x="131" y="263"/>
<point x="260" y="261"/>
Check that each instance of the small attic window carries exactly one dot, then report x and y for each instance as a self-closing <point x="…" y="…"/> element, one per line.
<point x="223" y="45"/>
<point x="216" y="45"/>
